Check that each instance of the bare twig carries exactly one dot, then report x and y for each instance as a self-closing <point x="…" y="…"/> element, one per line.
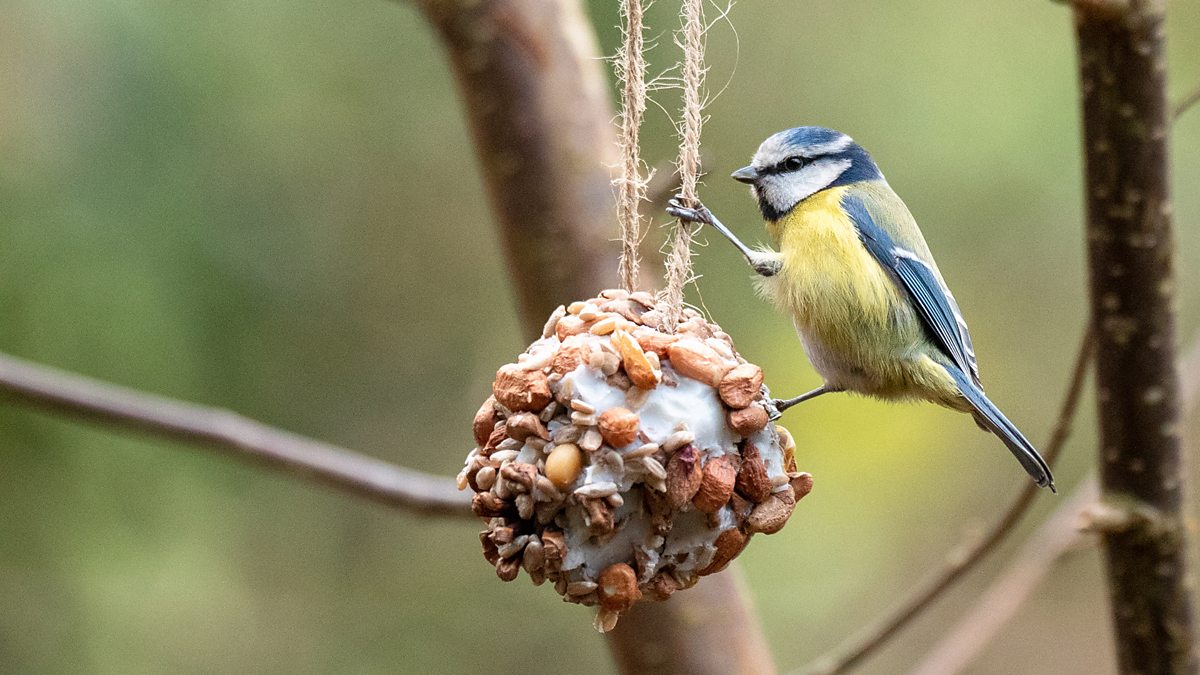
<point x="961" y="561"/>
<point x="1058" y="534"/>
<point x="1184" y="104"/>
<point x="1131" y="255"/>
<point x="231" y="434"/>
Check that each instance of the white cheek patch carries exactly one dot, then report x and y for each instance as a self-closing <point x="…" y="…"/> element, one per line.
<point x="785" y="190"/>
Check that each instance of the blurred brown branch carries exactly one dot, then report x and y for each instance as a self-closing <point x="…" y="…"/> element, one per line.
<point x="232" y="435"/>
<point x="968" y="556"/>
<point x="1131" y="251"/>
<point x="535" y="97"/>
<point x="1057" y="536"/>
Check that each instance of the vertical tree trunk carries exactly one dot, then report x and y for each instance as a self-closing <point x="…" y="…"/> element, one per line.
<point x="535" y="97"/>
<point x="1122" y="71"/>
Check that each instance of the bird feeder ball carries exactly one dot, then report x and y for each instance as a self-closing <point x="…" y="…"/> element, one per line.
<point x="620" y="462"/>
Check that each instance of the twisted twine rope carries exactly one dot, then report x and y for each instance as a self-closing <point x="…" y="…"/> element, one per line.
<point x="679" y="260"/>
<point x="631" y="187"/>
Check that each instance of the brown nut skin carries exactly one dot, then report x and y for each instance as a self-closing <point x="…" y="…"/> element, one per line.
<point x="729" y="544"/>
<point x="752" y="479"/>
<point x="485" y="421"/>
<point x="692" y="358"/>
<point x="554" y="545"/>
<point x="684" y="475"/>
<point x="521" y="390"/>
<point x="599" y="516"/>
<point x="490" y="552"/>
<point x="618" y="587"/>
<point x="654" y="341"/>
<point x="802" y="484"/>
<point x="662" y="586"/>
<point x="570" y="354"/>
<point x="523" y="425"/>
<point x="716" y="484"/>
<point x="770" y="516"/>
<point x="618" y="426"/>
<point x="488" y="505"/>
<point x="509" y="568"/>
<point x="749" y="420"/>
<point x="740" y="386"/>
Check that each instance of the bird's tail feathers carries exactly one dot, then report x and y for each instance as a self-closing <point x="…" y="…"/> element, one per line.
<point x="989" y="417"/>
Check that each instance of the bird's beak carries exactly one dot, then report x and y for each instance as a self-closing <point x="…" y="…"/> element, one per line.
<point x="746" y="174"/>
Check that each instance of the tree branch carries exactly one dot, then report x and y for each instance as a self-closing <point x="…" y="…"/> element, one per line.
<point x="959" y="562"/>
<point x="1056" y="535"/>
<point x="231" y="434"/>
<point x="535" y="97"/>
<point x="1122" y="74"/>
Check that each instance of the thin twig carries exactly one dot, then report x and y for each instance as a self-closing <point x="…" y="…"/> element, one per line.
<point x="961" y="561"/>
<point x="1058" y="534"/>
<point x="231" y="434"/>
<point x="1190" y="99"/>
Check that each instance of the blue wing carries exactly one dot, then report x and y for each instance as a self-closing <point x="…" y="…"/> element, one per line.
<point x="933" y="301"/>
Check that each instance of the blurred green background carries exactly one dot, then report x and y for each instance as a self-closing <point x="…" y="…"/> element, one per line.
<point x="244" y="203"/>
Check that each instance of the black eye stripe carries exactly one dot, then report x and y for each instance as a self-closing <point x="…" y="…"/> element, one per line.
<point x="793" y="163"/>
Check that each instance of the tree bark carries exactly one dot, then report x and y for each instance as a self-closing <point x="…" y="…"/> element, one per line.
<point x="534" y="93"/>
<point x="1122" y="71"/>
<point x="535" y="97"/>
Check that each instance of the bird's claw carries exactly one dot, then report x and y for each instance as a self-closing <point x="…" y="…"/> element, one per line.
<point x="772" y="406"/>
<point x="700" y="214"/>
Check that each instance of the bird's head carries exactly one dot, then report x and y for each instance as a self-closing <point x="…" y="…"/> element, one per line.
<point x="795" y="164"/>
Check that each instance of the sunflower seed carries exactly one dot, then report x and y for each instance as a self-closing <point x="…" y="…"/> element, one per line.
<point x="568" y="433"/>
<point x="591" y="440"/>
<point x="603" y="489"/>
<point x="501" y="456"/>
<point x="582" y="406"/>
<point x="486" y="478"/>
<point x="557" y="314"/>
<point x="677" y="440"/>
<point x="524" y="506"/>
<point x="581" y="587"/>
<point x="654" y="468"/>
<point x="614" y="460"/>
<point x="582" y="420"/>
<point x="642" y="451"/>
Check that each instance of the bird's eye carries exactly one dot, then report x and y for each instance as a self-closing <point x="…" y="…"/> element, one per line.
<point x="792" y="163"/>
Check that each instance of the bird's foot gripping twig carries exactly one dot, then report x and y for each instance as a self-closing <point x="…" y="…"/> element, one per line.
<point x="764" y="263"/>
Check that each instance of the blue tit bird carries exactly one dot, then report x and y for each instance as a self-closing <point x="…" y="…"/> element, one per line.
<point x="854" y="273"/>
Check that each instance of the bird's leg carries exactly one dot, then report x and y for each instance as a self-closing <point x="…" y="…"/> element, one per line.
<point x="764" y="263"/>
<point x="781" y="404"/>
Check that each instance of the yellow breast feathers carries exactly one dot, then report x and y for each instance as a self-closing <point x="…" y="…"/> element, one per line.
<point x="829" y="279"/>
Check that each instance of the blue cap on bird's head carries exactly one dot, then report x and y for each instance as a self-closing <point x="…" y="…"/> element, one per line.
<point x="794" y="164"/>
